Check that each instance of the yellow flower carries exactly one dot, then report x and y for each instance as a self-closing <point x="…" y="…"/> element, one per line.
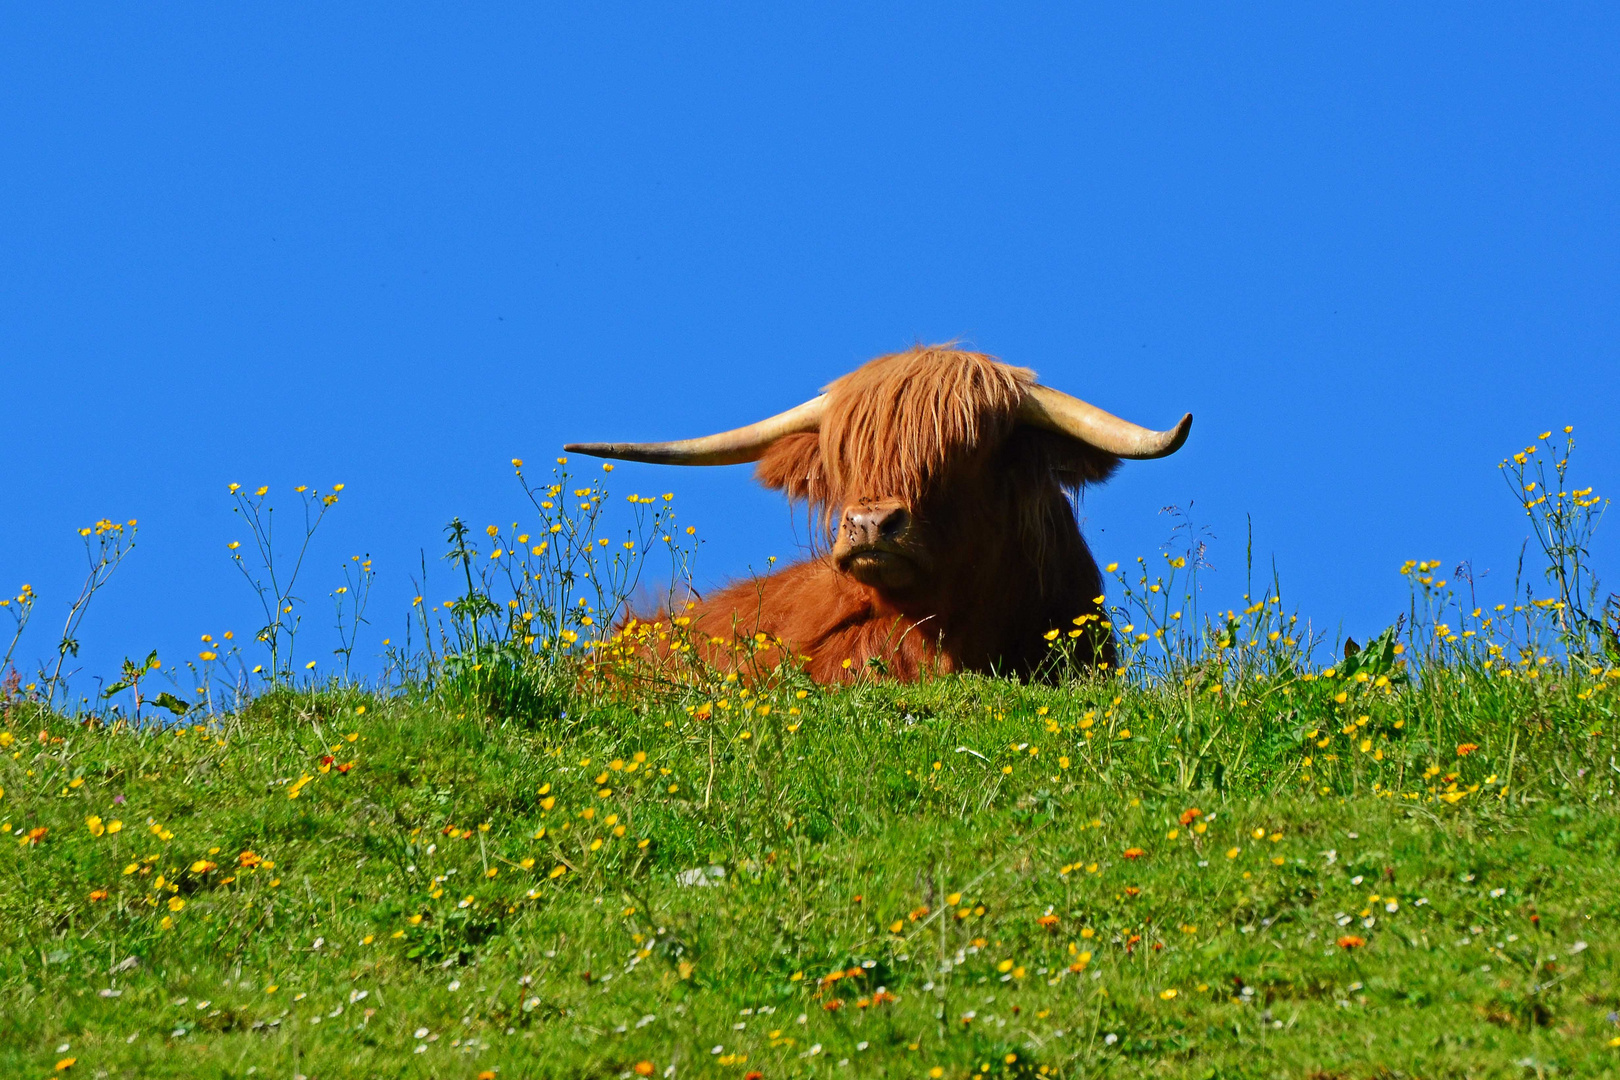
<point x="95" y="826"/>
<point x="177" y="903"/>
<point x="1168" y="994"/>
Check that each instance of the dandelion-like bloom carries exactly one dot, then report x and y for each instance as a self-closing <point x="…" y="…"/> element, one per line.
<point x="1134" y="853"/>
<point x="1464" y="749"/>
<point x="1351" y="941"/>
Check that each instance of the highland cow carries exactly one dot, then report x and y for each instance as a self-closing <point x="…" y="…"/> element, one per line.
<point x="944" y="483"/>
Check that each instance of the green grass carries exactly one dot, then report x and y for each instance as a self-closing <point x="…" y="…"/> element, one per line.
<point x="845" y="833"/>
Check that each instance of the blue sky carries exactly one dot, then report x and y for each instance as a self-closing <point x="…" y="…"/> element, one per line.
<point x="1373" y="250"/>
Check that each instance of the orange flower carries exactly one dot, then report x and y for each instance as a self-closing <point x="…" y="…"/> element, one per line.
<point x="1048" y="920"/>
<point x="644" y="1068"/>
<point x="98" y="894"/>
<point x="247" y="858"/>
<point x="1190" y="815"/>
<point x="1351" y="941"/>
<point x="1464" y="749"/>
<point x="36" y="835"/>
<point x="834" y="1005"/>
<point x="1134" y="853"/>
<point x="1132" y="890"/>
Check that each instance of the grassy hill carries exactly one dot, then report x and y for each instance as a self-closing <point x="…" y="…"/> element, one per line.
<point x="1301" y="876"/>
<point x="544" y="851"/>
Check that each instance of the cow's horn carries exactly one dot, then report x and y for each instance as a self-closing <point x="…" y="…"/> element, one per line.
<point x="1056" y="411"/>
<point x="726" y="448"/>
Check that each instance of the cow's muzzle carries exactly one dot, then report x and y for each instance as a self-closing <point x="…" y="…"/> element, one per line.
<point x="872" y="544"/>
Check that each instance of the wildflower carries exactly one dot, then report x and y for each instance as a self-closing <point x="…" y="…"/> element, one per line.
<point x="95" y="826"/>
<point x="1464" y="749"/>
<point x="1168" y="994"/>
<point x="1190" y="815"/>
<point x="1134" y="853"/>
<point x="97" y="895"/>
<point x="1351" y="941"/>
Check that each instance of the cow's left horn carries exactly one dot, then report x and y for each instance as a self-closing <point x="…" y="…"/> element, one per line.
<point x="1056" y="411"/>
<point x="727" y="448"/>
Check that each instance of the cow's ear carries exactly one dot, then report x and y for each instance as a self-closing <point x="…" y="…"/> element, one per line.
<point x="1075" y="464"/>
<point x="792" y="466"/>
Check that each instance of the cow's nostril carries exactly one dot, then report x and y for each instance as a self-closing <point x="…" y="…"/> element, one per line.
<point x="866" y="524"/>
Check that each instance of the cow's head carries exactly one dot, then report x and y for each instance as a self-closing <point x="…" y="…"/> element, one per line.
<point x="927" y="465"/>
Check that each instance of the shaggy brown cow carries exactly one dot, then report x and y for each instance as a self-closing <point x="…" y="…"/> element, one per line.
<point x="943" y="479"/>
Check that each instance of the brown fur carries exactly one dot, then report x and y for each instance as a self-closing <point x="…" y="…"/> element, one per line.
<point x="934" y="428"/>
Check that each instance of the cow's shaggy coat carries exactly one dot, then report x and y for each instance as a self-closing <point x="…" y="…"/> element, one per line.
<point x="999" y="554"/>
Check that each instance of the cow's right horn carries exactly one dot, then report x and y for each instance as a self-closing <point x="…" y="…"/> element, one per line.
<point x="1056" y="411"/>
<point x="726" y="448"/>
